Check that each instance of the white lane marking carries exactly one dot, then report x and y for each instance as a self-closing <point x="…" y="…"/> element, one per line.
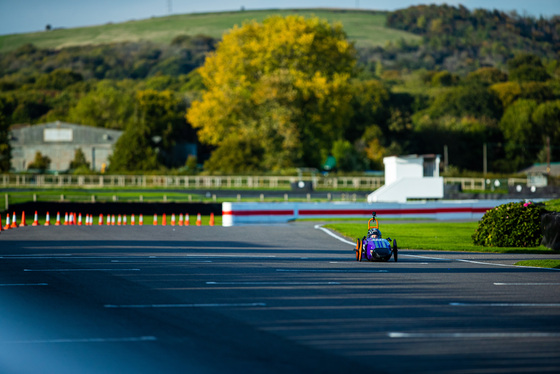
<point x="44" y="270"/>
<point x="553" y="305"/>
<point x="22" y="284"/>
<point x="526" y="284"/>
<point x="18" y="257"/>
<point x="36" y="256"/>
<point x="85" y="340"/>
<point x="186" y="305"/>
<point x="162" y="262"/>
<point x="274" y="283"/>
<point x="234" y="255"/>
<point x="331" y="271"/>
<point x="318" y="227"/>
<point x="475" y="335"/>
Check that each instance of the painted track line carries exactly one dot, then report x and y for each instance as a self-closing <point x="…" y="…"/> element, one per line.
<point x="474" y="335"/>
<point x="23" y="284"/>
<point x="64" y="270"/>
<point x="85" y="340"/>
<point x="140" y="306"/>
<point x="274" y="283"/>
<point x="526" y="284"/>
<point x="331" y="271"/>
<point x="538" y="305"/>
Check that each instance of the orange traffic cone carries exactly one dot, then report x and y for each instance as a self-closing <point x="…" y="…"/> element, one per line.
<point x="119" y="220"/>
<point x="66" y="219"/>
<point x="57" y="223"/>
<point x="164" y="220"/>
<point x="211" y="219"/>
<point x="141" y="220"/>
<point x="48" y="220"/>
<point x="124" y="220"/>
<point x="187" y="222"/>
<point x="14" y="221"/>
<point x="80" y="219"/>
<point x="8" y="226"/>
<point x="112" y="220"/>
<point x="198" y="219"/>
<point x="132" y="220"/>
<point x="22" y="223"/>
<point x="181" y="219"/>
<point x="35" y="220"/>
<point x="173" y="219"/>
<point x="155" y="219"/>
<point x="100" y="220"/>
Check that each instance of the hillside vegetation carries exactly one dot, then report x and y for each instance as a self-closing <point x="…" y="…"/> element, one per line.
<point x="365" y="28"/>
<point x="287" y="90"/>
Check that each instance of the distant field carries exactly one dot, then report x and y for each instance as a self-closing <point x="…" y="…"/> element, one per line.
<point x="366" y="28"/>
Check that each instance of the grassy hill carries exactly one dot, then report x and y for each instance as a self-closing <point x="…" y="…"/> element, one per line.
<point x="366" y="28"/>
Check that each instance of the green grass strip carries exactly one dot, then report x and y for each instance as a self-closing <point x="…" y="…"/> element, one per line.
<point x="552" y="264"/>
<point x="440" y="236"/>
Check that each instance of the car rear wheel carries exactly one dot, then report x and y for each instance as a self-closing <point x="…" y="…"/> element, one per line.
<point x="359" y="250"/>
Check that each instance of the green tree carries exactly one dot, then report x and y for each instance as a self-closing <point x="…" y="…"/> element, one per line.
<point x="108" y="105"/>
<point x="523" y="138"/>
<point x="487" y="76"/>
<point x="40" y="162"/>
<point x="134" y="151"/>
<point x="546" y="118"/>
<point x="5" y="148"/>
<point x="472" y="100"/>
<point x="347" y="158"/>
<point x="526" y="68"/>
<point x="162" y="113"/>
<point x="284" y="84"/>
<point x="79" y="161"/>
<point x="58" y="79"/>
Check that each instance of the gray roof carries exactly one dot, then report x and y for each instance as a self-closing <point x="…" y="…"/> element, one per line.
<point x="542" y="169"/>
<point x="62" y="132"/>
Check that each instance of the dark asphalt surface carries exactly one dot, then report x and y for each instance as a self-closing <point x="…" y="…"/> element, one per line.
<point x="264" y="299"/>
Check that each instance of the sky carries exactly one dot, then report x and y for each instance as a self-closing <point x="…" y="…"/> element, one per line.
<point x="21" y="16"/>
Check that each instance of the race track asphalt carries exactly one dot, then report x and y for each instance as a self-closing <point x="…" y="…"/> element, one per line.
<point x="264" y="299"/>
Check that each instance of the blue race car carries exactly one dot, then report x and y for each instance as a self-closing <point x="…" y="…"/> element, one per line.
<point x="373" y="247"/>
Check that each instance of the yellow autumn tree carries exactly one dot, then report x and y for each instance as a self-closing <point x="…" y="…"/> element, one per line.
<point x="280" y="90"/>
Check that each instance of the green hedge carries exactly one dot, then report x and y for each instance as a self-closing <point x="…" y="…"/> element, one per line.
<point x="511" y="225"/>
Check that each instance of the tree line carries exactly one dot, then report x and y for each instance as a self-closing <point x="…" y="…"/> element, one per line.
<point x="291" y="91"/>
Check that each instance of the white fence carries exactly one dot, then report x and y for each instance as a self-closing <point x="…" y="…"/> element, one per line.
<point x="216" y="182"/>
<point x="188" y="182"/>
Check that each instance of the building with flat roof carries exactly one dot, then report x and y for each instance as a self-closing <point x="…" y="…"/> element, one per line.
<point x="59" y="141"/>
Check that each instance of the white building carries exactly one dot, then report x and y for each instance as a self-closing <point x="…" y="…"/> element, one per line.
<point x="412" y="177"/>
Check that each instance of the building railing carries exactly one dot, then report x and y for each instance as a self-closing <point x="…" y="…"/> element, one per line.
<point x="222" y="182"/>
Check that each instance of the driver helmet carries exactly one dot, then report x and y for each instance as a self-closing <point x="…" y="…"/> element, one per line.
<point x="374" y="233"/>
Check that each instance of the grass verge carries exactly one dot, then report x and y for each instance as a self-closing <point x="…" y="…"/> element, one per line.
<point x="553" y="264"/>
<point x="440" y="236"/>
